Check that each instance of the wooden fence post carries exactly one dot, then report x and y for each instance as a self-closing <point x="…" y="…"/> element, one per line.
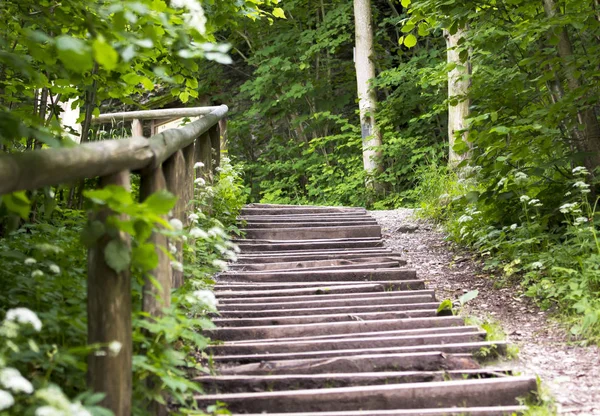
<point x="215" y="144"/>
<point x="204" y="155"/>
<point x="109" y="311"/>
<point x="153" y="299"/>
<point x="188" y="182"/>
<point x="174" y="169"/>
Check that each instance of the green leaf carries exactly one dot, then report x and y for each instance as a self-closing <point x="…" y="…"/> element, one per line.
<point x="117" y="255"/>
<point x="410" y="41"/>
<point x="92" y="232"/>
<point x="18" y="203"/>
<point x="105" y="54"/>
<point x="74" y="53"/>
<point x="469" y="296"/>
<point x="405" y="3"/>
<point x="278" y="12"/>
<point x="144" y="257"/>
<point x="161" y="202"/>
<point x="446" y="305"/>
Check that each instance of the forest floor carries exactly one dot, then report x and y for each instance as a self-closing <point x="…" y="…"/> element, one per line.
<point x="571" y="373"/>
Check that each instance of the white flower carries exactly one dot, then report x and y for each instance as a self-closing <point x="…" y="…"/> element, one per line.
<point x="6" y="400"/>
<point x="198" y="165"/>
<point x="513" y="227"/>
<point x="51" y="193"/>
<point x="37" y="273"/>
<point x="198" y="233"/>
<point x="177" y="266"/>
<point x="24" y="316"/>
<point x="29" y="261"/>
<point x="220" y="264"/>
<point x="176" y="224"/>
<point x="11" y="379"/>
<point x="524" y="198"/>
<point x="465" y="218"/>
<point x="78" y="410"/>
<point x="581" y="170"/>
<point x="566" y="208"/>
<point x="537" y="265"/>
<point x="534" y="201"/>
<point x="236" y="248"/>
<point x="114" y="348"/>
<point x="207" y="298"/>
<point x="568" y="193"/>
<point x="54" y="269"/>
<point x="193" y="217"/>
<point x="217" y="231"/>
<point x="580" y="220"/>
<point x="501" y="182"/>
<point x="581" y="185"/>
<point x="172" y="248"/>
<point x="48" y="411"/>
<point x="520" y="177"/>
<point x="231" y="255"/>
<point x="195" y="16"/>
<point x="200" y="181"/>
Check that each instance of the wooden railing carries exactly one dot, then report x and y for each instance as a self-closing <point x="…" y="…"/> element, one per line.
<point x="164" y="161"/>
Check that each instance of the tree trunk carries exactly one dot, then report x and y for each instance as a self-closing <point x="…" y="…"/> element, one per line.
<point x="459" y="80"/>
<point x="589" y="141"/>
<point x="367" y="99"/>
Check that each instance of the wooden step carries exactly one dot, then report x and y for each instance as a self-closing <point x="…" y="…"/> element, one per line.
<point x="467" y="393"/>
<point x="449" y="411"/>
<point x="233" y="384"/>
<point x="316" y="264"/>
<point x="313" y="233"/>
<point x="421" y="361"/>
<point x="373" y="334"/>
<point x="324" y="275"/>
<point x="389" y="285"/>
<point x="389" y="264"/>
<point x="248" y="211"/>
<point x="492" y="349"/>
<point x="252" y="246"/>
<point x="412" y="309"/>
<point x="373" y="345"/>
<point x="311" y="224"/>
<point x="256" y="332"/>
<point x="322" y="318"/>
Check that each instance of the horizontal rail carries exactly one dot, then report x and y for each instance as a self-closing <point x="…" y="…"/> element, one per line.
<point x="154" y="114"/>
<point x="38" y="168"/>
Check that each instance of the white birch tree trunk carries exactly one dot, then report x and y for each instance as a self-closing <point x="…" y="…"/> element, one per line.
<point x="458" y="89"/>
<point x="367" y="99"/>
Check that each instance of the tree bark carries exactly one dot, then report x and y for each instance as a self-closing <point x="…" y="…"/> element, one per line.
<point x="367" y="99"/>
<point x="458" y="101"/>
<point x="589" y="141"/>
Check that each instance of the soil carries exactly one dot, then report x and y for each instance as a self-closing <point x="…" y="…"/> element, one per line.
<point x="569" y="372"/>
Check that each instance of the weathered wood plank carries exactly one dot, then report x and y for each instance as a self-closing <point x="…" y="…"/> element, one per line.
<point x="175" y="176"/>
<point x="154" y="299"/>
<point x="109" y="311"/>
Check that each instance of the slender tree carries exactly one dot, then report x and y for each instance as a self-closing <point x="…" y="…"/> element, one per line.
<point x="587" y="138"/>
<point x="458" y="99"/>
<point x="367" y="100"/>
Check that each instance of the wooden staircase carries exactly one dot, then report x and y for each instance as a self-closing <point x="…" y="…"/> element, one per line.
<point x="319" y="318"/>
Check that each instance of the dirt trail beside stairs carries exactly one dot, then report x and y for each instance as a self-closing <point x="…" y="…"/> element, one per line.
<point x="571" y="373"/>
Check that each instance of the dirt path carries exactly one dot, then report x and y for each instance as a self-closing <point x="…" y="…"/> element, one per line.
<point x="571" y="373"/>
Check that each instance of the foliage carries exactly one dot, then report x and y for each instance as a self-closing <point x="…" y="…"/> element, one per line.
<point x="44" y="270"/>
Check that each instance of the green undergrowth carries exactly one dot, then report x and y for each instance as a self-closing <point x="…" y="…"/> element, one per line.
<point x="548" y="245"/>
<point x="43" y="300"/>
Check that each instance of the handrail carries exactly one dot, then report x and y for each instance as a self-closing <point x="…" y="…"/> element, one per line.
<point x="168" y="161"/>
<point x="38" y="168"/>
<point x="155" y="114"/>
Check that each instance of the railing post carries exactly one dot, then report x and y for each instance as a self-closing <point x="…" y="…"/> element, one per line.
<point x="109" y="318"/>
<point x="137" y="129"/>
<point x="153" y="299"/>
<point x="215" y="144"/>
<point x="174" y="169"/>
<point x="204" y="155"/>
<point x="189" y="153"/>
